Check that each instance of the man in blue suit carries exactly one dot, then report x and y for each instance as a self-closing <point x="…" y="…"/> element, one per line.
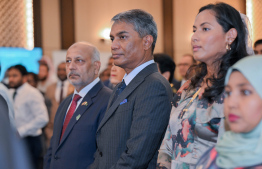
<point x="73" y="143"/>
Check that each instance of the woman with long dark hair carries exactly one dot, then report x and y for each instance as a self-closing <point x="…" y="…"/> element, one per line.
<point x="197" y="118"/>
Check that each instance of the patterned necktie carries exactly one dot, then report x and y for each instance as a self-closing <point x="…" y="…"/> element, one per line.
<point x="70" y="113"/>
<point x="61" y="92"/>
<point x="14" y="94"/>
<point x="119" y="90"/>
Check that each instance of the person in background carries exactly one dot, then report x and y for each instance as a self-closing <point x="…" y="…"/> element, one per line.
<point x="56" y="93"/>
<point x="110" y="63"/>
<point x="30" y="111"/>
<point x="107" y="73"/>
<point x="138" y="111"/>
<point x="184" y="64"/>
<point x="116" y="75"/>
<point x="166" y="66"/>
<point x="197" y="118"/>
<point x="73" y="143"/>
<point x="258" y="47"/>
<point x="104" y="76"/>
<point x="241" y="147"/>
<point x="44" y="79"/>
<point x="32" y="79"/>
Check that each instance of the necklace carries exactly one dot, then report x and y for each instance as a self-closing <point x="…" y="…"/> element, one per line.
<point x="189" y="104"/>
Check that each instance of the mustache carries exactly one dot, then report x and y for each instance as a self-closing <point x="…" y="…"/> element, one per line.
<point x="73" y="73"/>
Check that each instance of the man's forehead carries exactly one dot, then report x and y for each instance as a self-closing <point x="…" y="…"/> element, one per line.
<point x="186" y="58"/>
<point x="78" y="53"/>
<point x="121" y="26"/>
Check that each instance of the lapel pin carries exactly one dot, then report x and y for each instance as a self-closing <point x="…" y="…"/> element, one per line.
<point x="78" y="117"/>
<point x="84" y="103"/>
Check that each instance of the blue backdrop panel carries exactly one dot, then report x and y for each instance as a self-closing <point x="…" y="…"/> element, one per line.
<point x="12" y="56"/>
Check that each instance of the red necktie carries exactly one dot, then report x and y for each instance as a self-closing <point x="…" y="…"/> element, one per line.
<point x="70" y="113"/>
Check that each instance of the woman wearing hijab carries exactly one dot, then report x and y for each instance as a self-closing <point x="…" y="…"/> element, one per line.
<point x="241" y="147"/>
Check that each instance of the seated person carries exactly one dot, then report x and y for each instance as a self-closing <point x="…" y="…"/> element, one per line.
<point x="242" y="145"/>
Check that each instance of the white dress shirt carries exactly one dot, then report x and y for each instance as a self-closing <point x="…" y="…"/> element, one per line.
<point x="30" y="111"/>
<point x="129" y="77"/>
<point x="58" y="89"/>
<point x="83" y="92"/>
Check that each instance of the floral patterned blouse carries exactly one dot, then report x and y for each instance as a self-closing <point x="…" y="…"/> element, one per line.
<point x="193" y="128"/>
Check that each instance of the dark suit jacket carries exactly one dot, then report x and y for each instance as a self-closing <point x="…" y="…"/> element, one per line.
<point x="130" y="134"/>
<point x="50" y="94"/>
<point x="78" y="144"/>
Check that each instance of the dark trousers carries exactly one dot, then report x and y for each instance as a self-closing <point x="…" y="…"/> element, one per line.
<point x="35" y="149"/>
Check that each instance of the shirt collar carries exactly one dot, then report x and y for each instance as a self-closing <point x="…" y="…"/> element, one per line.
<point x="129" y="77"/>
<point x="86" y="89"/>
<point x="21" y="87"/>
<point x="59" y="82"/>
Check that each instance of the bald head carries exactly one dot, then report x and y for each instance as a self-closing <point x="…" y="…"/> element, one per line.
<point x="82" y="64"/>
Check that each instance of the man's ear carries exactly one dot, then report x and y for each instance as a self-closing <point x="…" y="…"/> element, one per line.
<point x="231" y="35"/>
<point x="147" y="40"/>
<point x="97" y="65"/>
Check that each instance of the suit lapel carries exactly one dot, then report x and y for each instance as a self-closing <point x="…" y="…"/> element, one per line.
<point x="138" y="79"/>
<point x="82" y="108"/>
<point x="61" y="119"/>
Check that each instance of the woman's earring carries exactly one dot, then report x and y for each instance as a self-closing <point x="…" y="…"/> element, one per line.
<point x="228" y="48"/>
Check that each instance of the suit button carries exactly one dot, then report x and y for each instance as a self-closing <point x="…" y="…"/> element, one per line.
<point x="101" y="154"/>
<point x="56" y="158"/>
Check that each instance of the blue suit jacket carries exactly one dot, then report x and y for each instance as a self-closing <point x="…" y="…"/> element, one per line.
<point x="78" y="145"/>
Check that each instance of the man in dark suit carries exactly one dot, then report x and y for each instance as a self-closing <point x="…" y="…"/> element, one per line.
<point x="133" y="127"/>
<point x="73" y="143"/>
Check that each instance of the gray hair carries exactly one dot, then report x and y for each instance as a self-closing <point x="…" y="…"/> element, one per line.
<point x="96" y="55"/>
<point x="142" y="21"/>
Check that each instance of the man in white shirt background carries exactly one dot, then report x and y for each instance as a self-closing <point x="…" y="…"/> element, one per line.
<point x="57" y="92"/>
<point x="30" y="111"/>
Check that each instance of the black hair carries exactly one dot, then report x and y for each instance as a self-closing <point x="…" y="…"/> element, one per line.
<point x="228" y="17"/>
<point x="20" y="68"/>
<point x="165" y="63"/>
<point x="35" y="76"/>
<point x="258" y="42"/>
